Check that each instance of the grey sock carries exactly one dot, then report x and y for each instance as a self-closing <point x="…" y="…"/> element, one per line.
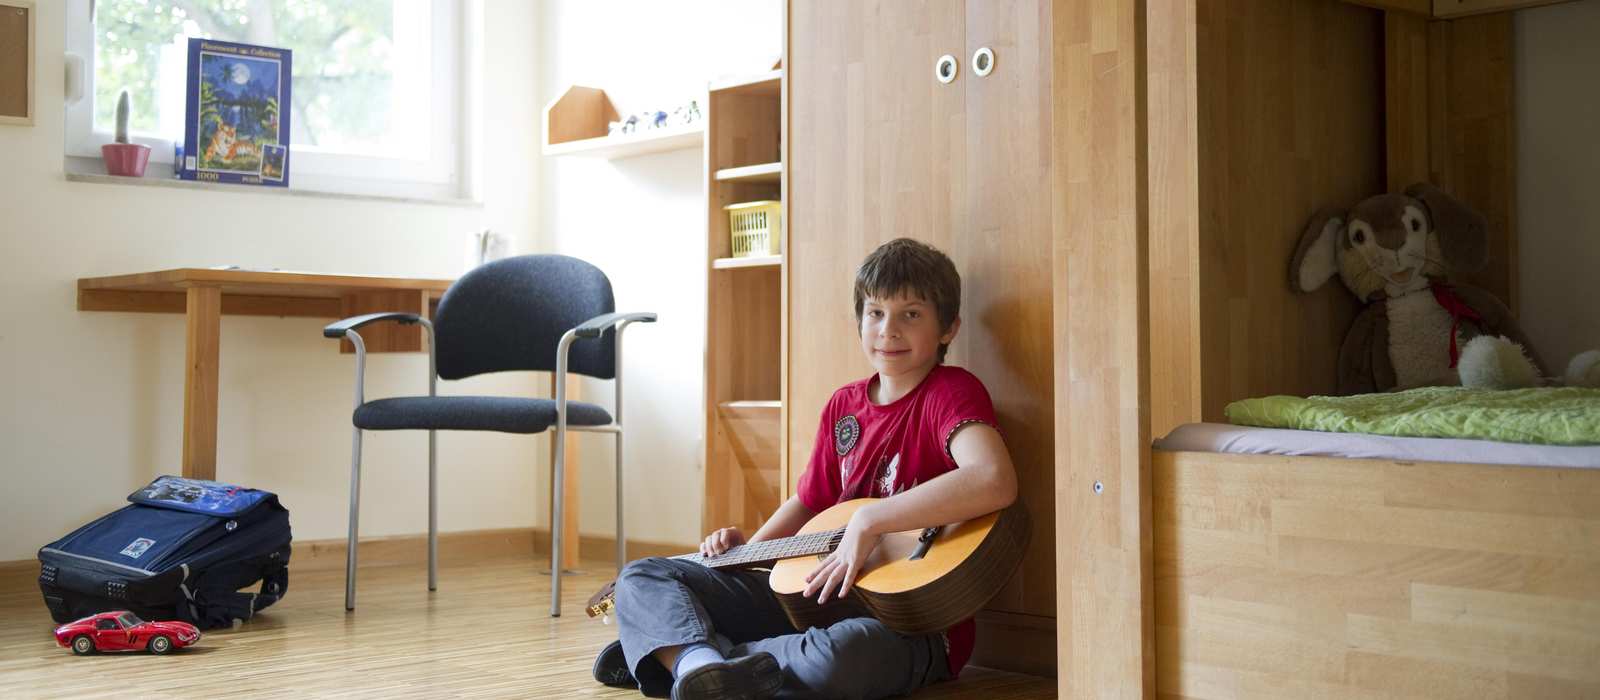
<point x="694" y="656"/>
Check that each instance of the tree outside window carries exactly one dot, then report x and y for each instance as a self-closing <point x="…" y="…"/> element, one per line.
<point x="345" y="96"/>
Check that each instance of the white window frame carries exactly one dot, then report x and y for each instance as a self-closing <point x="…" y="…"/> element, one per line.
<point x="441" y="174"/>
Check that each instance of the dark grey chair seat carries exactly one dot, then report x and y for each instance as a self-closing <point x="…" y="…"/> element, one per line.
<point x="504" y="414"/>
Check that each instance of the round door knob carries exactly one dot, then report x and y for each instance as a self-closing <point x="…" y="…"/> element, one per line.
<point x="983" y="61"/>
<point x="945" y="69"/>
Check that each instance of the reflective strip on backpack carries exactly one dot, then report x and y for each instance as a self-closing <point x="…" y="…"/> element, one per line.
<point x="52" y="550"/>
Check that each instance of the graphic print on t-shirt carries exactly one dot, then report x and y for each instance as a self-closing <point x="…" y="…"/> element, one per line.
<point x="884" y="486"/>
<point x="845" y="434"/>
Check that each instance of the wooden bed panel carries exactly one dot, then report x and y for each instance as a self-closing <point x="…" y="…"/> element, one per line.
<point x="1262" y="112"/>
<point x="1449" y="113"/>
<point x="1290" y="121"/>
<point x="1306" y="577"/>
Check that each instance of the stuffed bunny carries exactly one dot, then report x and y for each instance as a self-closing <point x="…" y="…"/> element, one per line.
<point x="1393" y="252"/>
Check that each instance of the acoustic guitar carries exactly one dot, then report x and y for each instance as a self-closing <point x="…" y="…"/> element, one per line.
<point x="916" y="582"/>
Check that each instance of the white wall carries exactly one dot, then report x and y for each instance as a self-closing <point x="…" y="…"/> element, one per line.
<point x="93" y="401"/>
<point x="642" y="220"/>
<point x="1558" y="177"/>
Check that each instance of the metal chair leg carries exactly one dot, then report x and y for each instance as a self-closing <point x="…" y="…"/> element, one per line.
<point x="560" y="468"/>
<point x="433" y="511"/>
<point x="622" y="541"/>
<point x="355" y="522"/>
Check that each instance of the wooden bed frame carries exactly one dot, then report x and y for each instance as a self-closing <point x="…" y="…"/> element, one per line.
<point x="1329" y="577"/>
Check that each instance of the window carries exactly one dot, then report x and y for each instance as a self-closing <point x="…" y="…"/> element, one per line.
<point x="376" y="88"/>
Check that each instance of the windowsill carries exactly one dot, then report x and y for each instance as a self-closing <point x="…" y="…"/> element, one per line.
<point x="78" y="169"/>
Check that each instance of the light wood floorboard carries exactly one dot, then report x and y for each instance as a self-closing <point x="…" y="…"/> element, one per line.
<point x="485" y="634"/>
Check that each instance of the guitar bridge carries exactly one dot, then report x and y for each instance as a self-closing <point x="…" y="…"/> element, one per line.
<point x="924" y="543"/>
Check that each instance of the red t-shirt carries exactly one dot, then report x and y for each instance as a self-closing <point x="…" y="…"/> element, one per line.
<point x="865" y="450"/>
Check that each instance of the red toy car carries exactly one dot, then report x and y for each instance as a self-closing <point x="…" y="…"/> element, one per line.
<point x="123" y="631"/>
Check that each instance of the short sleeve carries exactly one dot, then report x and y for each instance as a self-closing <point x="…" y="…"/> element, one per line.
<point x="819" y="487"/>
<point x="959" y="401"/>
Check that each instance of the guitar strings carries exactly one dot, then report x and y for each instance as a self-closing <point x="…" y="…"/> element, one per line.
<point x="796" y="546"/>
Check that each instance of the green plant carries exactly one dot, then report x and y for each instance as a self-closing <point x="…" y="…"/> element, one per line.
<point x="122" y="117"/>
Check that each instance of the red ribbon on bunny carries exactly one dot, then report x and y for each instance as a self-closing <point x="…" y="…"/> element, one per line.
<point x="1458" y="310"/>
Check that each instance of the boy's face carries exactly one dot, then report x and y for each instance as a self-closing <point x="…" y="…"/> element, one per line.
<point x="901" y="334"/>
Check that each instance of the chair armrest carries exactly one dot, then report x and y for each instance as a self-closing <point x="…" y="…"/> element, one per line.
<point x="337" y="329"/>
<point x="593" y="327"/>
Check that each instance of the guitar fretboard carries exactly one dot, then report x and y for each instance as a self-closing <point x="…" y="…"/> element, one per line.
<point x="770" y="550"/>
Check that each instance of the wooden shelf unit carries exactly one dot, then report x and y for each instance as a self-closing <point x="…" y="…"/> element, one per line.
<point x="746" y="475"/>
<point x="577" y="123"/>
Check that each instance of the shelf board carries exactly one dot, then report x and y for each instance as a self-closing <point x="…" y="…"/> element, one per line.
<point x="746" y="416"/>
<point x="751" y="405"/>
<point x="635" y="144"/>
<point x="753" y="261"/>
<point x="767" y="83"/>
<point x="765" y="172"/>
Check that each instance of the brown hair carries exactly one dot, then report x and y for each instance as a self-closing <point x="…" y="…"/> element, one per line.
<point x="906" y="266"/>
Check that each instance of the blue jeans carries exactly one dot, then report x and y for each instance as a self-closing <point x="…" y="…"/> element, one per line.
<point x="666" y="602"/>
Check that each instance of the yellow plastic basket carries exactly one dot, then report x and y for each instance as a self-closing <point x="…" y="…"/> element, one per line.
<point x="757" y="227"/>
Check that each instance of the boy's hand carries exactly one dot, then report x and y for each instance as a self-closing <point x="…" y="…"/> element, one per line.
<point x="839" y="570"/>
<point x="721" y="541"/>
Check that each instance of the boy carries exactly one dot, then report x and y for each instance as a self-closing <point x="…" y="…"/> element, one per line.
<point x="704" y="633"/>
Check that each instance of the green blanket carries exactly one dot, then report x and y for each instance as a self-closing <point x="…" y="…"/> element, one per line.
<point x="1549" y="416"/>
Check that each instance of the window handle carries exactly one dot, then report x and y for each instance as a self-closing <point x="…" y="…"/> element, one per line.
<point x="75" y="77"/>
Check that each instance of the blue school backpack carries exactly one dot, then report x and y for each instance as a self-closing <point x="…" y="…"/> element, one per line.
<point x="181" y="550"/>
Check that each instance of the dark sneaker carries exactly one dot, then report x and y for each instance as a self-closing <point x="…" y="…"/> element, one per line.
<point x="753" y="677"/>
<point x="610" y="668"/>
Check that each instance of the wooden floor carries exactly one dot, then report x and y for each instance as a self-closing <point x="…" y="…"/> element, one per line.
<point x="485" y="633"/>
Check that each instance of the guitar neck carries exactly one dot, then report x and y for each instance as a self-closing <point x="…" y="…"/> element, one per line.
<point x="768" y="551"/>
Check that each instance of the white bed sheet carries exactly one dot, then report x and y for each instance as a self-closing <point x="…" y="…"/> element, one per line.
<point x="1237" y="439"/>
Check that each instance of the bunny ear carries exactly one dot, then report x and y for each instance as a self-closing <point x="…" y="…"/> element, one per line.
<point x="1316" y="259"/>
<point x="1463" y="233"/>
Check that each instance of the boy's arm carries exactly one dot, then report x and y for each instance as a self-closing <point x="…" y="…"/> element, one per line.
<point x="983" y="483"/>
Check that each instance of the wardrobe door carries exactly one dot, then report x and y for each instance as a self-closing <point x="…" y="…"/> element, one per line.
<point x="876" y="150"/>
<point x="1004" y="251"/>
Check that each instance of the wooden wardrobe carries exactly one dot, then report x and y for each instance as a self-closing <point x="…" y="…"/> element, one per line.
<point x="879" y="147"/>
<point x="1120" y="194"/>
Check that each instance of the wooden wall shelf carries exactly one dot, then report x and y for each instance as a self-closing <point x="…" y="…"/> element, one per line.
<point x="577" y="122"/>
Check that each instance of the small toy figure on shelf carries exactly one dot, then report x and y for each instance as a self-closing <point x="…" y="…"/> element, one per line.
<point x="626" y="126"/>
<point x="120" y="630"/>
<point x="123" y="157"/>
<point x="656" y="119"/>
<point x="687" y="114"/>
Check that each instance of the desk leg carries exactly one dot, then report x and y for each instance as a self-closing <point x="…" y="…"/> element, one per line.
<point x="569" y="509"/>
<point x="204" y="313"/>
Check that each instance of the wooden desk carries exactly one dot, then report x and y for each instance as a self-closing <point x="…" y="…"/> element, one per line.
<point x="203" y="295"/>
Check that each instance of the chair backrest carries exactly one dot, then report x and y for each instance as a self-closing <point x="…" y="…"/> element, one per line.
<point x="510" y="315"/>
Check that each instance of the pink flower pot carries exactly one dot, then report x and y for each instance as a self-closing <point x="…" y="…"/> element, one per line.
<point x="126" y="159"/>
